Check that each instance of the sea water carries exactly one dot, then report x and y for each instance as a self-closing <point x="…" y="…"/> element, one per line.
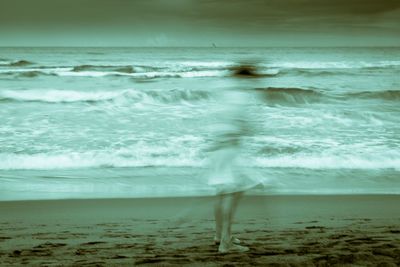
<point x="135" y="122"/>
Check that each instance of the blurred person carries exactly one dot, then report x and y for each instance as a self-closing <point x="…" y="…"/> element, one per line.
<point x="227" y="175"/>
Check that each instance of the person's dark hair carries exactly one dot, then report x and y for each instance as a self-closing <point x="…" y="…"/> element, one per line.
<point x="244" y="71"/>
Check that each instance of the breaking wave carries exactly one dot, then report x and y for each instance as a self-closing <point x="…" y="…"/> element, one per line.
<point x="124" y="71"/>
<point x="68" y="96"/>
<point x="116" y="159"/>
<point x="305" y="65"/>
<point x="385" y="95"/>
<point x="16" y="63"/>
<point x="271" y="96"/>
<point x="329" y="162"/>
<point x="121" y="69"/>
<point x="274" y="95"/>
<point x="194" y="69"/>
<point x="86" y="160"/>
<point x="295" y="96"/>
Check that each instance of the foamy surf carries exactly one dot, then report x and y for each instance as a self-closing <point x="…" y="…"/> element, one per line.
<point x="189" y="158"/>
<point x="83" y="160"/>
<point x="321" y="162"/>
<point x="57" y="96"/>
<point x="76" y="121"/>
<point x="132" y="95"/>
<point x="190" y="69"/>
<point x="270" y="95"/>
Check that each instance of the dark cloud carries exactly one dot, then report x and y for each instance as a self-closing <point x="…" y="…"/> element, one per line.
<point x="183" y="18"/>
<point x="229" y="11"/>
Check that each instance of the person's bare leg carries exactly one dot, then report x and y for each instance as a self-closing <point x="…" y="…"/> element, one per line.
<point x="229" y="206"/>
<point x="218" y="211"/>
<point x="226" y="220"/>
<point x="235" y="202"/>
<point x="218" y="217"/>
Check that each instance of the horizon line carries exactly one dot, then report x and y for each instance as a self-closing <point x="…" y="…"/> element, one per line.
<point x="127" y="46"/>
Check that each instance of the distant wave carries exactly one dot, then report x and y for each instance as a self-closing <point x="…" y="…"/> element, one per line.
<point x="270" y="95"/>
<point x="295" y="96"/>
<point x="315" y="72"/>
<point x="385" y="95"/>
<point x="150" y="72"/>
<point x="309" y="68"/>
<point x="252" y="71"/>
<point x="193" y="69"/>
<point x="332" y="68"/>
<point x="381" y="65"/>
<point x="125" y="71"/>
<point x="33" y="73"/>
<point x="30" y="74"/>
<point x="67" y="96"/>
<point x="176" y="95"/>
<point x="317" y="65"/>
<point x="122" y="69"/>
<point x="173" y="70"/>
<point x="16" y="63"/>
<point x="276" y="95"/>
<point x="182" y="70"/>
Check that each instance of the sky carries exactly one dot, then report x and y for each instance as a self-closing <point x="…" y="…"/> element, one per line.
<point x="232" y="23"/>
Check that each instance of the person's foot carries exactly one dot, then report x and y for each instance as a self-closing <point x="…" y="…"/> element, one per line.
<point x="232" y="248"/>
<point x="234" y="240"/>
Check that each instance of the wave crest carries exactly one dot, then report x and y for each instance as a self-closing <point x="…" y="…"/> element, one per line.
<point x="289" y="96"/>
<point x="67" y="96"/>
<point x="121" y="69"/>
<point x="329" y="162"/>
<point x="16" y="63"/>
<point x="177" y="155"/>
<point x="385" y="95"/>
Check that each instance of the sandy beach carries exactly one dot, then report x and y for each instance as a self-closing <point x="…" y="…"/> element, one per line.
<point x="345" y="230"/>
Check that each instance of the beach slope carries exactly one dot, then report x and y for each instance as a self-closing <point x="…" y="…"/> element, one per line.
<point x="353" y="230"/>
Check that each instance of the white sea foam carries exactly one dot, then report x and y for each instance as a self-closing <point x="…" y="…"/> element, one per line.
<point x="189" y="69"/>
<point x="132" y="95"/>
<point x="4" y="62"/>
<point x="313" y="121"/>
<point x="329" y="162"/>
<point x="75" y="160"/>
<point x="148" y="75"/>
<point x="173" y="152"/>
<point x="92" y="73"/>
<point x="334" y="64"/>
<point x="49" y="70"/>
<point x="179" y="156"/>
<point x="206" y="64"/>
<point x="58" y="95"/>
<point x="176" y="71"/>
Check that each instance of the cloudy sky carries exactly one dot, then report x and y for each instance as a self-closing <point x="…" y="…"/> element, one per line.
<point x="200" y="22"/>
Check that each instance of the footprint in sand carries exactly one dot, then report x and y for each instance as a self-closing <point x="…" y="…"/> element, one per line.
<point x="315" y="227"/>
<point x="4" y="238"/>
<point x="50" y="245"/>
<point x="45" y="249"/>
<point x="83" y="251"/>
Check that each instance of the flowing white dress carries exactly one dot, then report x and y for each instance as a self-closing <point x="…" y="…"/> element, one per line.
<point x="227" y="173"/>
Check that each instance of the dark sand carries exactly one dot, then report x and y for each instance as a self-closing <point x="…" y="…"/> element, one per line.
<point x="280" y="231"/>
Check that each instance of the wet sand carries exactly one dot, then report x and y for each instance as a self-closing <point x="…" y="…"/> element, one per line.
<point x="280" y="231"/>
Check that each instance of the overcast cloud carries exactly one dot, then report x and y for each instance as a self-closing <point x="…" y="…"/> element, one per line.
<point x="201" y="22"/>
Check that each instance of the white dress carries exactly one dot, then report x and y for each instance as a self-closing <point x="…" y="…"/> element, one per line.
<point x="226" y="171"/>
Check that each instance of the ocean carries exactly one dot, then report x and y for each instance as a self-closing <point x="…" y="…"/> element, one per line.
<point x="135" y="122"/>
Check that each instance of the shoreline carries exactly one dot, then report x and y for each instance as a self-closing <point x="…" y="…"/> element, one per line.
<point x="247" y="195"/>
<point x="306" y="230"/>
